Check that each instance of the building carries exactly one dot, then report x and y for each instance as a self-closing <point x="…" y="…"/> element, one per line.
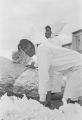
<point x="67" y="45"/>
<point x="77" y="40"/>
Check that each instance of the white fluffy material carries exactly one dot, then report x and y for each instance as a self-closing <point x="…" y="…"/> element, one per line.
<point x="12" y="108"/>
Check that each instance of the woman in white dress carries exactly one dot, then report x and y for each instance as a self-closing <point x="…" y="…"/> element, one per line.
<point x="63" y="61"/>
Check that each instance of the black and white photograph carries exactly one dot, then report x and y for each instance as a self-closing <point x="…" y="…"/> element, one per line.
<point x="40" y="60"/>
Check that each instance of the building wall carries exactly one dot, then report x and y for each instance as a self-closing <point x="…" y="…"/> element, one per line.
<point x="77" y="40"/>
<point x="68" y="45"/>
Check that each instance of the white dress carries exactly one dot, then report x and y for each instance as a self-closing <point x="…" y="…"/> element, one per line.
<point x="63" y="61"/>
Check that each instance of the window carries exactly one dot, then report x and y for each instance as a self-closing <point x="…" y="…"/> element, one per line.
<point x="77" y="42"/>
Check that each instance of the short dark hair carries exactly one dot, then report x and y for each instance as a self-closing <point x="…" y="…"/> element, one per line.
<point x="23" y="44"/>
<point x="48" y="26"/>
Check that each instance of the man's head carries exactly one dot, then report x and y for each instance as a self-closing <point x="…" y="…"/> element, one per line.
<point x="27" y="46"/>
<point x="48" y="31"/>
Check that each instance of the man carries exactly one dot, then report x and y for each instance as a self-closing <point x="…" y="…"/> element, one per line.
<point x="63" y="61"/>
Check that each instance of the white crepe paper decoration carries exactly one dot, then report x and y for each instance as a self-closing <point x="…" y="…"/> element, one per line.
<point x="58" y="27"/>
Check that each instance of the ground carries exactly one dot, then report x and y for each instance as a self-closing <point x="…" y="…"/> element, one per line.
<point x="54" y="100"/>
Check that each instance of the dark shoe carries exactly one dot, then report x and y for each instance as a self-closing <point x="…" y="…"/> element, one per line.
<point x="72" y="101"/>
<point x="80" y="102"/>
<point x="48" y="96"/>
<point x="46" y="104"/>
<point x="56" y="96"/>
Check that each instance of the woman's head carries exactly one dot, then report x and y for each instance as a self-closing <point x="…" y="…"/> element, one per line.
<point x="48" y="31"/>
<point x="27" y="46"/>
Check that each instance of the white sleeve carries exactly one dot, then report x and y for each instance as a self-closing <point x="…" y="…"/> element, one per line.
<point x="56" y="41"/>
<point x="59" y="39"/>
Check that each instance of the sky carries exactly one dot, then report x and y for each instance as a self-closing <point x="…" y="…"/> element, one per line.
<point x="27" y="18"/>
